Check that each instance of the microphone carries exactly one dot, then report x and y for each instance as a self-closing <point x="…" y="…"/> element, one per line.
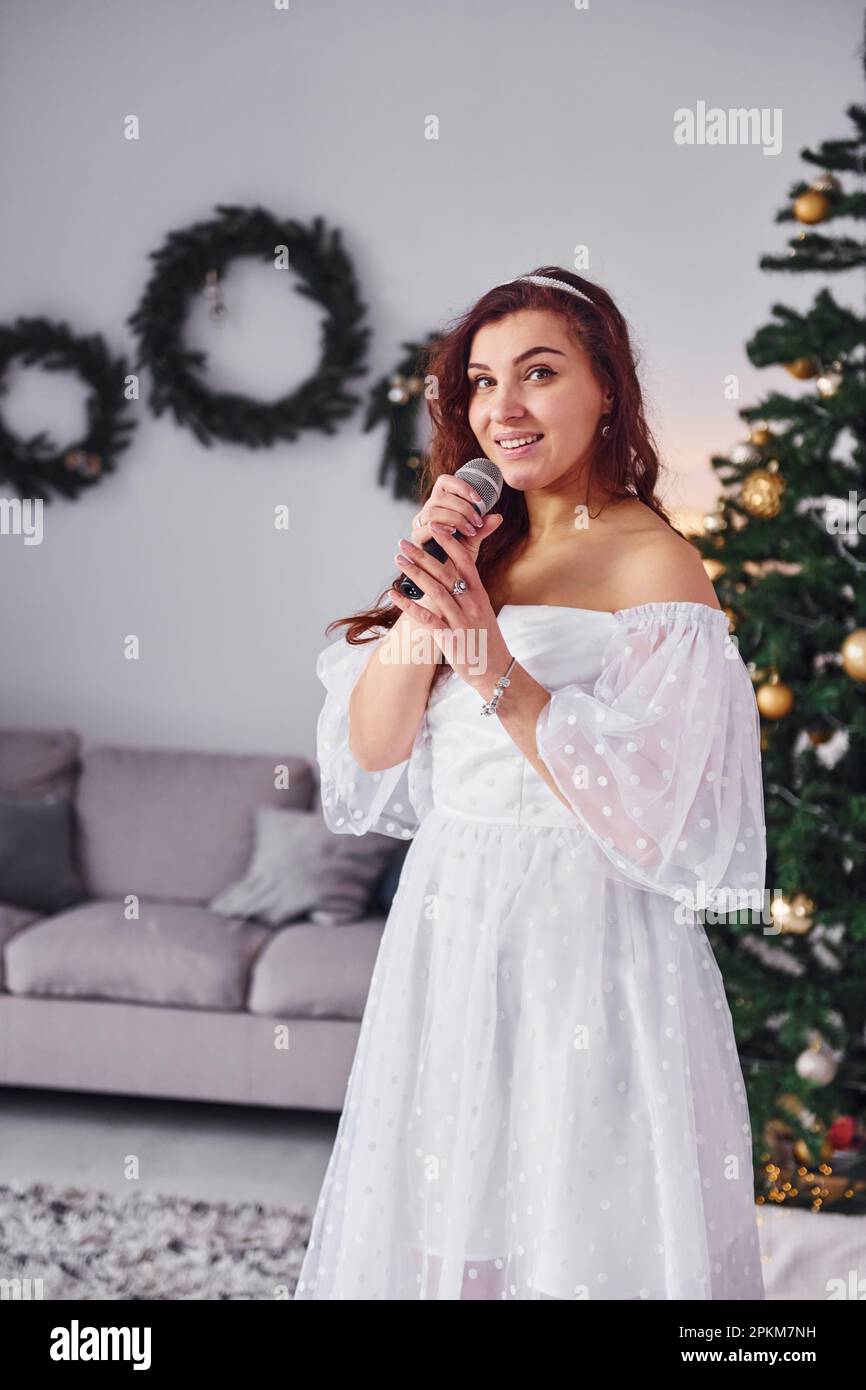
<point x="487" y="480"/>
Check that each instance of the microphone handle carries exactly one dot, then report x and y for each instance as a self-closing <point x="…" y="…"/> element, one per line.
<point x="408" y="586"/>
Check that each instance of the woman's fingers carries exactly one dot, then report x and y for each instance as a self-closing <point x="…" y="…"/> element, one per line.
<point x="450" y="484"/>
<point x="413" y="559"/>
<point x="437" y="577"/>
<point x="465" y="521"/>
<point x="454" y="502"/>
<point x="457" y="553"/>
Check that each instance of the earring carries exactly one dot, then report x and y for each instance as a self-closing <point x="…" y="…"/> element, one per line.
<point x="605" y="430"/>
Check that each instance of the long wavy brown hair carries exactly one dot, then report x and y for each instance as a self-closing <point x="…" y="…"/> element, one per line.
<point x="623" y="463"/>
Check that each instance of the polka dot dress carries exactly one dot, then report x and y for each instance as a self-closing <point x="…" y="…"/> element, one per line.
<point x="546" y="1100"/>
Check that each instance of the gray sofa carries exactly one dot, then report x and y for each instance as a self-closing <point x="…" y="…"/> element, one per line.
<point x="182" y="1001"/>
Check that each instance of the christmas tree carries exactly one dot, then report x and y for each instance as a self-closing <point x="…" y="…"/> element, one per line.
<point x="785" y="550"/>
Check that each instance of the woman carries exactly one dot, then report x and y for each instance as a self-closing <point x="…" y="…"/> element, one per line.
<point x="546" y="1099"/>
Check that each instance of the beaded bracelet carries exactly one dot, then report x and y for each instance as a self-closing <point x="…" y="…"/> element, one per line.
<point x="503" y="681"/>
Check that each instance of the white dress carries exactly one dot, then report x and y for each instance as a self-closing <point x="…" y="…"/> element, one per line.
<point x="546" y="1099"/>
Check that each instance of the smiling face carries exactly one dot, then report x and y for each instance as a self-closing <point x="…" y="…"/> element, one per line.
<point x="527" y="378"/>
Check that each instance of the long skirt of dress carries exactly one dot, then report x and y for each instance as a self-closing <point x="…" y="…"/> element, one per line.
<point x="546" y="1099"/>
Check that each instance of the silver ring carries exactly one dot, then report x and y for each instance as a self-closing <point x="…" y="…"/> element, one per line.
<point x="460" y="587"/>
<point x="416" y="521"/>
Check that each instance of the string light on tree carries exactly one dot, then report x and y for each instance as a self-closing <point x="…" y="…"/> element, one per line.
<point x="746" y="454"/>
<point x="793" y="915"/>
<point x="828" y="383"/>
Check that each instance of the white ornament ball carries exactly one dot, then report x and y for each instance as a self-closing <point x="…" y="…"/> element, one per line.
<point x="816" y="1065"/>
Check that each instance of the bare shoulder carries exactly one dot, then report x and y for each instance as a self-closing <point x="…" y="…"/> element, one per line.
<point x="657" y="564"/>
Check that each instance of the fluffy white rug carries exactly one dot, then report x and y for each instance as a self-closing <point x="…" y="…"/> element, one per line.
<point x="93" y="1245"/>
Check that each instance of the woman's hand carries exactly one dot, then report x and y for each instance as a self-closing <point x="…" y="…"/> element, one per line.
<point x="450" y="503"/>
<point x="464" y="626"/>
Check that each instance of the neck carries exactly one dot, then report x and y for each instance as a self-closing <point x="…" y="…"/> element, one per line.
<point x="551" y="518"/>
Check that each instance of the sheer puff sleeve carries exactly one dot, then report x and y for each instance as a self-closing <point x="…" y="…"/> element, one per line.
<point x="390" y="802"/>
<point x="661" y="762"/>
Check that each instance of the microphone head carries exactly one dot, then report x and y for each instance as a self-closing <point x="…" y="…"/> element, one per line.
<point x="486" y="477"/>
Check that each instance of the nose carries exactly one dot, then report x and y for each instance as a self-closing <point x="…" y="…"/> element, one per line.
<point x="508" y="408"/>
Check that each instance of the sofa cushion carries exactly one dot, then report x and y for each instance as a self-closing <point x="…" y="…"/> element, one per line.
<point x="175" y="825"/>
<point x="36" y="864"/>
<point x="12" y="920"/>
<point x="174" y="954"/>
<point x="300" y="868"/>
<point x="38" y="762"/>
<point x="308" y="971"/>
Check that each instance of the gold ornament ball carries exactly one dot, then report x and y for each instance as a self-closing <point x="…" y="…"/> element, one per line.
<point x="811" y="207"/>
<point x="761" y="493"/>
<point x="853" y="651"/>
<point x="761" y="436"/>
<point x="802" y="367"/>
<point x="775" y="699"/>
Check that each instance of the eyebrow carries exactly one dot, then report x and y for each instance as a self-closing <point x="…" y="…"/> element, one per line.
<point x="530" y="352"/>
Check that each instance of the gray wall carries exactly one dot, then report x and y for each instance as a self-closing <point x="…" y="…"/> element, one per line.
<point x="555" y="130"/>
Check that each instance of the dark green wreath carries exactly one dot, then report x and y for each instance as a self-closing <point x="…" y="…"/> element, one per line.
<point x="195" y="257"/>
<point x="36" y="466"/>
<point x="396" y="400"/>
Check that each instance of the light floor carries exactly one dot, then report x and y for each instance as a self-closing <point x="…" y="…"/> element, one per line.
<point x="207" y="1152"/>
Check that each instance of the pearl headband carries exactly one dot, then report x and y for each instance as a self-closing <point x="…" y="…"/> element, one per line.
<point x="556" y="284"/>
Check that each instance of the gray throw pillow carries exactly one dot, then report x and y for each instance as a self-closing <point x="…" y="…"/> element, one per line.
<point x="37" y="870"/>
<point x="300" y="868"/>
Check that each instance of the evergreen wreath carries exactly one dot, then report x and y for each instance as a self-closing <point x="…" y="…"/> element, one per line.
<point x="190" y="262"/>
<point x="396" y="400"/>
<point x="37" y="465"/>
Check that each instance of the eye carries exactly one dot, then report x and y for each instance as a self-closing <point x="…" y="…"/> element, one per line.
<point x="474" y="381"/>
